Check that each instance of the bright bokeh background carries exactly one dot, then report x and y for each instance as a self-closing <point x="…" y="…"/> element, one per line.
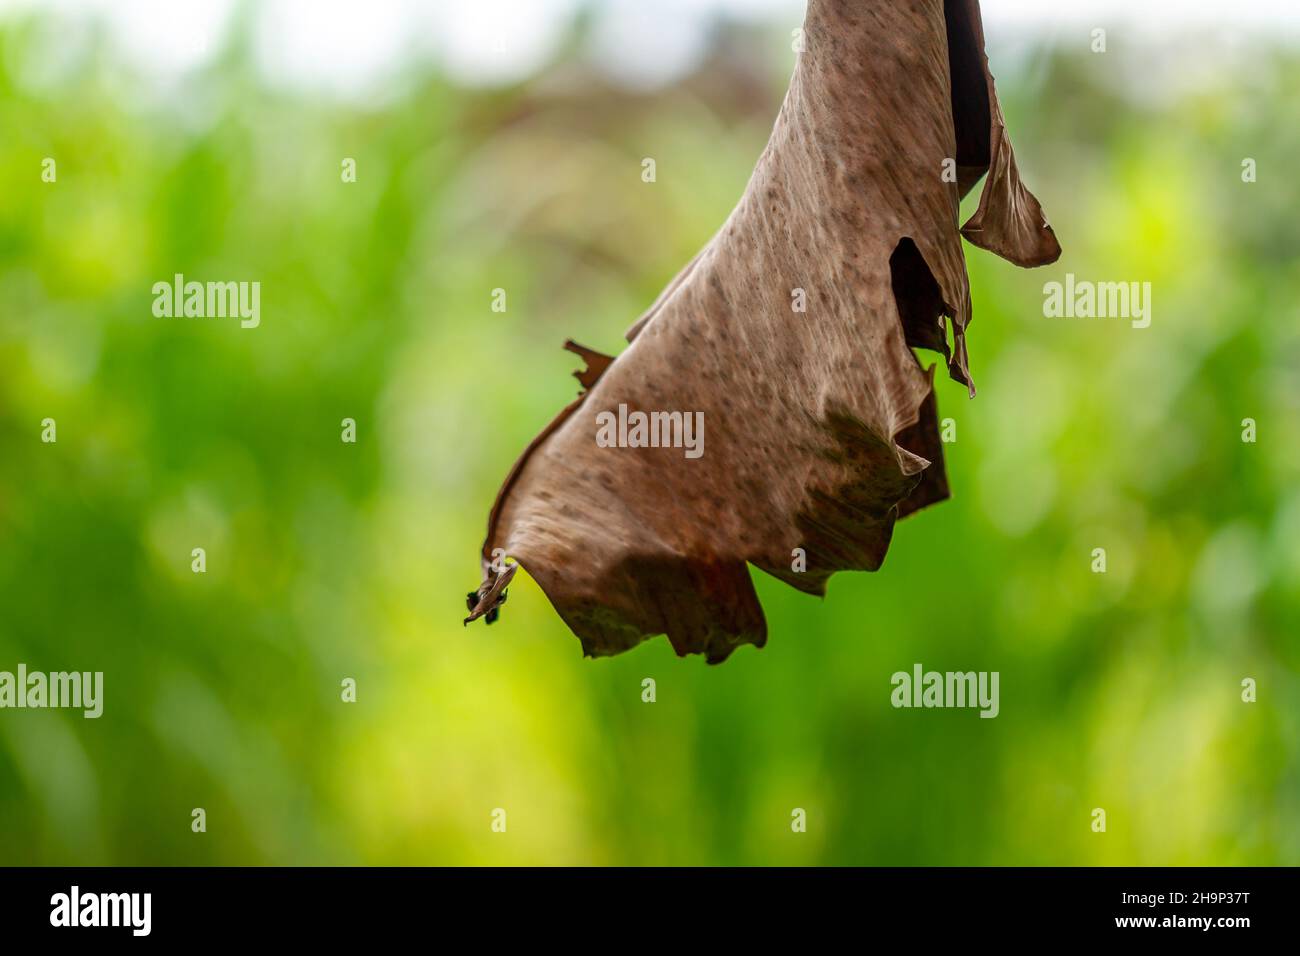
<point x="506" y="152"/>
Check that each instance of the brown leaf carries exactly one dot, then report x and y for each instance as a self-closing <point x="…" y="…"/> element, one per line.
<point x="820" y="427"/>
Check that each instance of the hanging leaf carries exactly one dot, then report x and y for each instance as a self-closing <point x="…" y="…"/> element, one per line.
<point x="817" y="428"/>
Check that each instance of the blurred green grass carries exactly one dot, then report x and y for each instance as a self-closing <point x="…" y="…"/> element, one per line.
<point x="328" y="560"/>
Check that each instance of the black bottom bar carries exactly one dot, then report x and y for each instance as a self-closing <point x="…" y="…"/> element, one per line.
<point x="334" y="905"/>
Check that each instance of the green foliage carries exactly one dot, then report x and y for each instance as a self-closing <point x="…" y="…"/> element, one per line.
<point x="328" y="560"/>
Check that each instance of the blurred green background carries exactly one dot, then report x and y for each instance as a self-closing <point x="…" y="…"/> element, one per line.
<point x="328" y="560"/>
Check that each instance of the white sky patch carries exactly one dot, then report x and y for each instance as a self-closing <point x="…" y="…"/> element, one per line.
<point x="161" y="38"/>
<point x="646" y="45"/>
<point x="496" y="41"/>
<point x="1146" y="14"/>
<point x="352" y="48"/>
<point x="346" y="48"/>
